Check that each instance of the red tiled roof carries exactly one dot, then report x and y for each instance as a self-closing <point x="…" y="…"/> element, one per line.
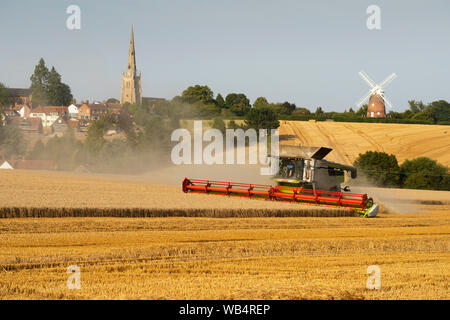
<point x="58" y="109"/>
<point x="50" y="109"/>
<point x="38" y="109"/>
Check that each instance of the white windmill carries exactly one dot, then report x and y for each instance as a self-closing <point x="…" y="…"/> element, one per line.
<point x="377" y="101"/>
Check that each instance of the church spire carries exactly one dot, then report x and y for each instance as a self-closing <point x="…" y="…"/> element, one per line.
<point x="131" y="91"/>
<point x="131" y="54"/>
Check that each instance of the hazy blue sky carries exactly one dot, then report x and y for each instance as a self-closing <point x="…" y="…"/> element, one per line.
<point x="306" y="52"/>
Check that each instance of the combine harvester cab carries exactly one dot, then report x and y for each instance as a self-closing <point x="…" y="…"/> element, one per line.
<point x="303" y="177"/>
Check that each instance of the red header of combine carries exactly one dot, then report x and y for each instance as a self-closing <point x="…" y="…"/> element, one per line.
<point x="353" y="201"/>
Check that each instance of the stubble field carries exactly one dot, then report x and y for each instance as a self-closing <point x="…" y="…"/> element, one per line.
<point x="212" y="258"/>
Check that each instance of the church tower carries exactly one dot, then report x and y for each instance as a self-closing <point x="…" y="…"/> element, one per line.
<point x="131" y="91"/>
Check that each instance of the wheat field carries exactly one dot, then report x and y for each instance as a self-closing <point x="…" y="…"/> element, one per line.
<point x="178" y="257"/>
<point x="347" y="139"/>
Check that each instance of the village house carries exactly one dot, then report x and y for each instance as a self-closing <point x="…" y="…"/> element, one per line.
<point x="60" y="125"/>
<point x="20" y="97"/>
<point x="73" y="111"/>
<point x="48" y="114"/>
<point x="93" y="111"/>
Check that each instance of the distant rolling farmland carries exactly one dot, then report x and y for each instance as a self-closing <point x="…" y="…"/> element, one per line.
<point x="405" y="141"/>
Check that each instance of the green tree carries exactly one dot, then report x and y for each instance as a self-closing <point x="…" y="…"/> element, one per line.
<point x="52" y="88"/>
<point x="407" y="114"/>
<point x="112" y="100"/>
<point x="58" y="93"/>
<point x="220" y="101"/>
<point x="38" y="151"/>
<point x="423" y="116"/>
<point x="39" y="81"/>
<point x="156" y="136"/>
<point x="238" y="103"/>
<point x="424" y="173"/>
<point x="284" y="108"/>
<point x="198" y="93"/>
<point x="301" y="112"/>
<point x="94" y="140"/>
<point x="12" y="140"/>
<point x="4" y="95"/>
<point x="394" y="115"/>
<point x="260" y="102"/>
<point x="261" y="118"/>
<point x="319" y="111"/>
<point x="416" y="106"/>
<point x="439" y="110"/>
<point x="124" y="121"/>
<point x="66" y="151"/>
<point x="362" y="112"/>
<point x="380" y="168"/>
<point x="48" y="88"/>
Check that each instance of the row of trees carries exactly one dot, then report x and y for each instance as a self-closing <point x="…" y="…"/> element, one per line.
<point x="199" y="101"/>
<point x="436" y="112"/>
<point x="382" y="170"/>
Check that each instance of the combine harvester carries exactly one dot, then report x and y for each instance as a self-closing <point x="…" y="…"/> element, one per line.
<point x="303" y="177"/>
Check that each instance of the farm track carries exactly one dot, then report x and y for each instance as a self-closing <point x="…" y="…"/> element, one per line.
<point x="300" y="136"/>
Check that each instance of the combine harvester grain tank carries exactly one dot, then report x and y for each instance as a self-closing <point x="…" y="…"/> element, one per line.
<point x="304" y="177"/>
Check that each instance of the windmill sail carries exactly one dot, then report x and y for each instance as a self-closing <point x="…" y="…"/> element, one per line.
<point x="377" y="100"/>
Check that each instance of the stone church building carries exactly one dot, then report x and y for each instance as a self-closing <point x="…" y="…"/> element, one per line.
<point x="131" y="91"/>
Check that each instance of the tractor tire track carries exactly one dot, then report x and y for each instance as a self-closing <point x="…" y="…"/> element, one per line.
<point x="366" y="137"/>
<point x="333" y="144"/>
<point x="297" y="132"/>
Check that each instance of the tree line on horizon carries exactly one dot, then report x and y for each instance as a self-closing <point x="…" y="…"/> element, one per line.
<point x="198" y="101"/>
